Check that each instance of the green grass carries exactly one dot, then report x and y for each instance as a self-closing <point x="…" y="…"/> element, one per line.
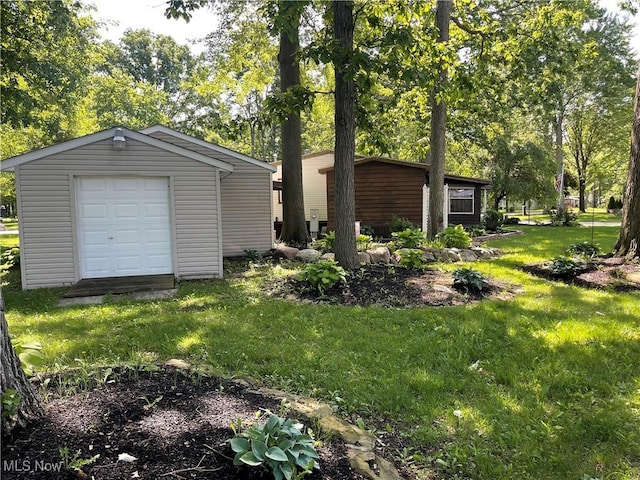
<point x="9" y="241"/>
<point x="596" y="215"/>
<point x="547" y="383"/>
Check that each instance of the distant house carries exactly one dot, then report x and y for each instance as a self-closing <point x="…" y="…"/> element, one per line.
<point x="124" y="203"/>
<point x="385" y="187"/>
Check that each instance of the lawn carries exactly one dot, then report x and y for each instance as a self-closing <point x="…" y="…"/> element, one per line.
<point x="543" y="386"/>
<point x="591" y="215"/>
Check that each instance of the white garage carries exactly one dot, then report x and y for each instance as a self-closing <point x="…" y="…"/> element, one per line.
<point x="120" y="203"/>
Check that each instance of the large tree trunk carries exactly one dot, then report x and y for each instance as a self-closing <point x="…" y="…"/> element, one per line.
<point x="13" y="378"/>
<point x="345" y="124"/>
<point x="294" y="227"/>
<point x="582" y="186"/>
<point x="438" y="129"/>
<point x="629" y="238"/>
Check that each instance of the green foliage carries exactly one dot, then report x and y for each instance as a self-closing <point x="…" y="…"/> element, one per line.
<point x="511" y="221"/>
<point x="367" y="230"/>
<point x="454" y="237"/>
<point x="10" y="257"/>
<point x="75" y="462"/>
<point x="567" y="267"/>
<point x="324" y="274"/>
<point x="410" y="257"/>
<point x="475" y="230"/>
<point x="614" y="204"/>
<point x="564" y="217"/>
<point x="363" y="242"/>
<point x="278" y="444"/>
<point x="409" y="238"/>
<point x="30" y="355"/>
<point x="399" y="224"/>
<point x="583" y="249"/>
<point x="10" y="403"/>
<point x="251" y="255"/>
<point x="492" y="220"/>
<point x="469" y="279"/>
<point x="327" y="243"/>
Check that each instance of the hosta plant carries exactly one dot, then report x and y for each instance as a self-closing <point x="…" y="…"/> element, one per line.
<point x="584" y="249"/>
<point x="410" y="257"/>
<point x="455" y="237"/>
<point x="278" y="445"/>
<point x="568" y="267"/>
<point x="469" y="279"/>
<point x="324" y="274"/>
<point x="409" y="238"/>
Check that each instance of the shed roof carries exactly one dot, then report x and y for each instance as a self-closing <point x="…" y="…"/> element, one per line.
<point x="211" y="146"/>
<point x="11" y="163"/>
<point x="404" y="163"/>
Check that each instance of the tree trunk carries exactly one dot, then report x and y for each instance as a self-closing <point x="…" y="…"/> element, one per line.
<point x="345" y="125"/>
<point x="438" y="129"/>
<point x="294" y="226"/>
<point x="13" y="378"/>
<point x="582" y="188"/>
<point x="628" y="244"/>
<point x="558" y="123"/>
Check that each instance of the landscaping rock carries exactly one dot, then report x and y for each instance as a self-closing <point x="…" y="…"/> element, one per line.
<point x="328" y="256"/>
<point x="364" y="257"/>
<point x="453" y="255"/>
<point x="440" y="254"/>
<point x="467" y="256"/>
<point x="379" y="255"/>
<point x="308" y="255"/>
<point x="282" y="251"/>
<point x="481" y="253"/>
<point x="427" y="254"/>
<point x="177" y="363"/>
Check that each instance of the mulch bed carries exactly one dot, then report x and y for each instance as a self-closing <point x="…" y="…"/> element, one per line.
<point x="175" y="423"/>
<point x="606" y="274"/>
<point x="390" y="286"/>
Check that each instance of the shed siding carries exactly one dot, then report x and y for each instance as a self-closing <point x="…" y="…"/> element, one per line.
<point x="384" y="189"/>
<point x="314" y="186"/>
<point x="48" y="208"/>
<point x="245" y="201"/>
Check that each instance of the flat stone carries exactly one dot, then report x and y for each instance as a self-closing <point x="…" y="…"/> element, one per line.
<point x="308" y="255"/>
<point x="364" y="257"/>
<point x="379" y="255"/>
<point x="177" y="363"/>
<point x="153" y="294"/>
<point x="467" y="256"/>
<point x="282" y="251"/>
<point x="71" y="302"/>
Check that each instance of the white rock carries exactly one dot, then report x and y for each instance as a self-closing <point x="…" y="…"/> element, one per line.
<point x="308" y="255"/>
<point x="379" y="255"/>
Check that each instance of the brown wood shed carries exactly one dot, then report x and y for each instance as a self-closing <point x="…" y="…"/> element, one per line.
<point x="386" y="187"/>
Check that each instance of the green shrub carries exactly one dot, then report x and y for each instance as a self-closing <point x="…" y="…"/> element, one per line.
<point x="252" y="255"/>
<point x="567" y="267"/>
<point x="327" y="243"/>
<point x="278" y="445"/>
<point x="410" y="257"/>
<point x="363" y="242"/>
<point x="614" y="204"/>
<point x="324" y="274"/>
<point x="511" y="221"/>
<point x="475" y="230"/>
<point x="584" y="249"/>
<point x="469" y="280"/>
<point x="367" y="230"/>
<point x="409" y="238"/>
<point x="10" y="257"/>
<point x="398" y="224"/>
<point x="564" y="218"/>
<point x="492" y="220"/>
<point x="455" y="237"/>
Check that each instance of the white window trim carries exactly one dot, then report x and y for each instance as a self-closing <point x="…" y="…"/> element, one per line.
<point x="473" y="200"/>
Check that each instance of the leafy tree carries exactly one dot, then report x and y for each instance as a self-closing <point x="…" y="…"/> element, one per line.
<point x="628" y="244"/>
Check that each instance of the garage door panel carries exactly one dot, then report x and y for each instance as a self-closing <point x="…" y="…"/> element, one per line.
<point x="124" y="226"/>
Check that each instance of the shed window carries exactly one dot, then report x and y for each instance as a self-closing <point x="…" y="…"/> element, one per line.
<point x="461" y="200"/>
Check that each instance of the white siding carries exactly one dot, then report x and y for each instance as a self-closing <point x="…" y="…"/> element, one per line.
<point x="314" y="185"/>
<point x="245" y="201"/>
<point x="47" y="208"/>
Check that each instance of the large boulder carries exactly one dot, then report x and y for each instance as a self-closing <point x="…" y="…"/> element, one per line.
<point x="308" y="255"/>
<point x="328" y="256"/>
<point x="364" y="257"/>
<point x="467" y="256"/>
<point x="282" y="251"/>
<point x="379" y="255"/>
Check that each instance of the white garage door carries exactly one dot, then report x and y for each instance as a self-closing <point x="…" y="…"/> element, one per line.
<point x="124" y="228"/>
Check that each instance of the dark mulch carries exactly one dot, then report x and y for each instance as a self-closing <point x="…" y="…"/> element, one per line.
<point x="175" y="423"/>
<point x="606" y="273"/>
<point x="389" y="286"/>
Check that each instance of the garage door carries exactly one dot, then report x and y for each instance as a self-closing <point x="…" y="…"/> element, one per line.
<point x="124" y="227"/>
